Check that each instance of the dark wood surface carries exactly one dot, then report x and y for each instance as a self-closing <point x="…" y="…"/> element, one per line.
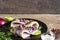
<point x="30" y="6"/>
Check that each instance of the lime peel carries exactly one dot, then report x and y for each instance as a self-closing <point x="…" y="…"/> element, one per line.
<point x="8" y="18"/>
<point x="37" y="32"/>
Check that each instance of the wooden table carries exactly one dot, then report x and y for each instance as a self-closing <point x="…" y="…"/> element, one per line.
<point x="51" y="20"/>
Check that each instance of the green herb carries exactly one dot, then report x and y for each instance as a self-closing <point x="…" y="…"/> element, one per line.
<point x="28" y="28"/>
<point x="5" y="36"/>
<point x="39" y="28"/>
<point x="30" y="20"/>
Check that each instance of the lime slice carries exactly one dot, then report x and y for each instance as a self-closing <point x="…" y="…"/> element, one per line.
<point x="37" y="32"/>
<point x="11" y="29"/>
<point x="8" y="19"/>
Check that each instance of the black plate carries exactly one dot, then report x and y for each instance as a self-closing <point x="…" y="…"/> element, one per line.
<point x="43" y="30"/>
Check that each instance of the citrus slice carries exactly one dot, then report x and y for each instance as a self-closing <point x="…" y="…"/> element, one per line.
<point x="12" y="29"/>
<point x="8" y="19"/>
<point x="37" y="32"/>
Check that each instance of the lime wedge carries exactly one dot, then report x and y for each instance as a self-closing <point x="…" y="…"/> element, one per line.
<point x="8" y="19"/>
<point x="37" y="32"/>
<point x="11" y="29"/>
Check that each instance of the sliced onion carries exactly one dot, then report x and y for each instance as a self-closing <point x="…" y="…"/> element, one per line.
<point x="21" y="27"/>
<point x="22" y="20"/>
<point x="32" y="29"/>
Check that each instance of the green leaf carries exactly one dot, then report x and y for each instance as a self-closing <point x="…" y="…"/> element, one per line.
<point x="30" y="20"/>
<point x="2" y="33"/>
<point x="39" y="28"/>
<point x="8" y="39"/>
<point x="9" y="33"/>
<point x="5" y="36"/>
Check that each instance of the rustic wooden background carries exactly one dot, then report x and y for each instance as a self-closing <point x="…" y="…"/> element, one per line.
<point x="30" y="6"/>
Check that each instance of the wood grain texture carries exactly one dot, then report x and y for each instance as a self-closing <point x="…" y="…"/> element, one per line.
<point x="30" y="6"/>
<point x="51" y="20"/>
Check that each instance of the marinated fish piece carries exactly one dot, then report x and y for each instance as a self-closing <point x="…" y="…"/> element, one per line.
<point x="16" y="23"/>
<point x="33" y="23"/>
<point x="24" y="34"/>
